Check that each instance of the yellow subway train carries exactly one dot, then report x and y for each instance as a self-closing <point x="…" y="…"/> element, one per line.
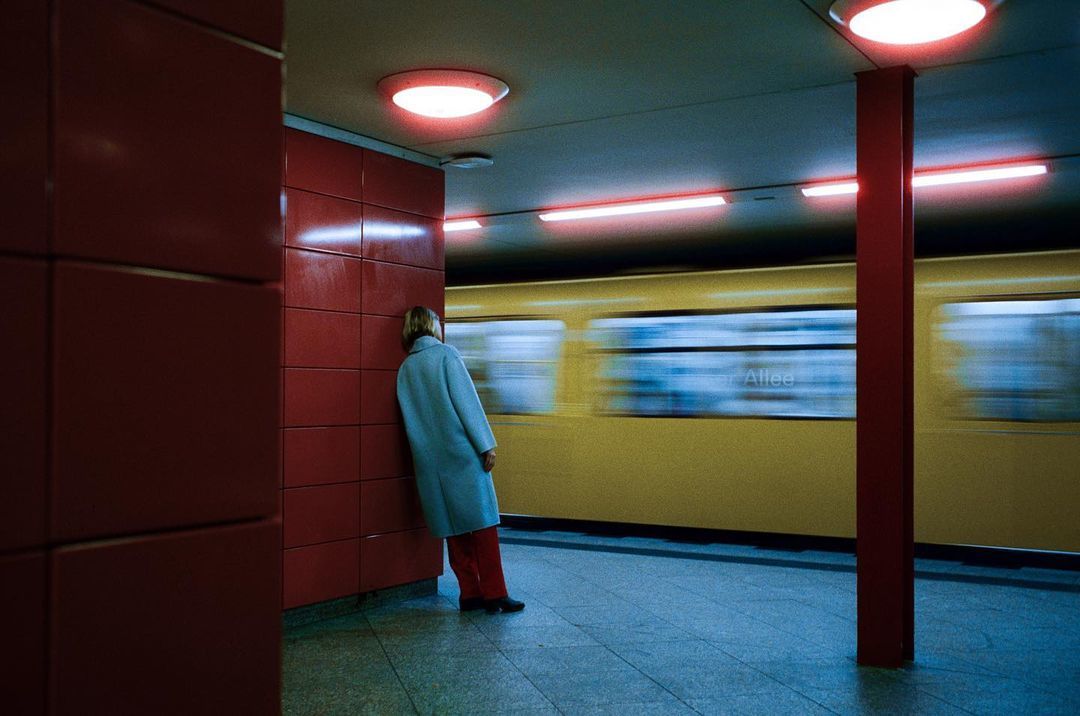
<point x="726" y="399"/>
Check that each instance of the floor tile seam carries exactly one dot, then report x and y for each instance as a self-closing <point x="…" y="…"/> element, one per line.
<point x="1002" y="673"/>
<point x="401" y="682"/>
<point x="588" y="581"/>
<point x="924" y="692"/>
<point x="529" y="679"/>
<point x="621" y="624"/>
<point x="650" y="678"/>
<point x="735" y="609"/>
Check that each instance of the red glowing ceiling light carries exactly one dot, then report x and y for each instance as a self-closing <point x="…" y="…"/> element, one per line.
<point x="443" y="94"/>
<point x="633" y="207"/>
<point x="968" y="176"/>
<point x="937" y="178"/>
<point x="908" y="22"/>
<point x="461" y="225"/>
<point x="836" y="189"/>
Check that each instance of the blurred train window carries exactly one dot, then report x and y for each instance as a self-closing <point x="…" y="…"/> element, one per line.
<point x="796" y="363"/>
<point x="512" y="362"/>
<point x="1012" y="360"/>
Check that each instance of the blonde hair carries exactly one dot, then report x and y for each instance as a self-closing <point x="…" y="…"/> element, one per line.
<point x="419" y="321"/>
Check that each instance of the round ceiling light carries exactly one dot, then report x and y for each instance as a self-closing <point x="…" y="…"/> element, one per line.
<point x="443" y="94"/>
<point x="908" y="22"/>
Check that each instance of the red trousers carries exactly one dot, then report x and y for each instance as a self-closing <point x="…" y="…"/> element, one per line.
<point x="475" y="559"/>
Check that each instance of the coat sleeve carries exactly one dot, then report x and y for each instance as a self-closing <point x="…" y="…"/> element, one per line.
<point x="467" y="403"/>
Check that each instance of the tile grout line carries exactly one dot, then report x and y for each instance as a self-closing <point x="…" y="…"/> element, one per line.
<point x="526" y="676"/>
<point x="393" y="667"/>
<point x="608" y="646"/>
<point x="803" y="693"/>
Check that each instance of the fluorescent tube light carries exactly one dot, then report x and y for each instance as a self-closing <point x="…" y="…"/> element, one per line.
<point x="634" y="207"/>
<point x="974" y="175"/>
<point x="935" y="178"/>
<point x="848" y="187"/>
<point x="462" y="225"/>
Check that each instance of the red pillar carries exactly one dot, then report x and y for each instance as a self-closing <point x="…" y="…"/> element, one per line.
<point x="884" y="454"/>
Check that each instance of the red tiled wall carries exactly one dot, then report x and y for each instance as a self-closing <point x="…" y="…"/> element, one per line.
<point x="363" y="242"/>
<point x="140" y="368"/>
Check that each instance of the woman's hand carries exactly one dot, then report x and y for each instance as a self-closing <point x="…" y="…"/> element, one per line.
<point x="489" y="460"/>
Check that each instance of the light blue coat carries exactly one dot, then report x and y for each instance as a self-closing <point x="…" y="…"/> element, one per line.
<point x="447" y="432"/>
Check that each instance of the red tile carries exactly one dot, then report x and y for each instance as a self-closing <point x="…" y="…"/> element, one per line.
<point x="24" y="57"/>
<point x="321" y="514"/>
<point x="23" y="375"/>
<point x="165" y="395"/>
<point x="403" y="185"/>
<point x="378" y="397"/>
<point x="316" y="456"/>
<point x="389" y="506"/>
<point x="323" y="165"/>
<point x="318" y="280"/>
<point x="22" y="619"/>
<point x="169" y="613"/>
<point x="321" y="397"/>
<point x="162" y="157"/>
<point x="389" y="560"/>
<point x="390" y="289"/>
<point x="314" y="221"/>
<point x="402" y="238"/>
<point x="384" y="452"/>
<point x="382" y="343"/>
<point x="322" y="339"/>
<point x="237" y="17"/>
<point x="321" y="572"/>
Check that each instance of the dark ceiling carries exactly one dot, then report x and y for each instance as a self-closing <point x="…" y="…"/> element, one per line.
<point x="614" y="99"/>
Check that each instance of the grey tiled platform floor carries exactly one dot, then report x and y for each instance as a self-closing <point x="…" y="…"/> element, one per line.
<point x="759" y="633"/>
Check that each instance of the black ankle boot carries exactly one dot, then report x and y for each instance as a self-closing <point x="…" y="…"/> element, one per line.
<point x="505" y="604"/>
<point x="471" y="604"/>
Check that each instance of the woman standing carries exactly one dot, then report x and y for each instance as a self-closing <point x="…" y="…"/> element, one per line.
<point x="453" y="453"/>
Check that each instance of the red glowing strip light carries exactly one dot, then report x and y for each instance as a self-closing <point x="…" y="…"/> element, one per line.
<point x="633" y="207"/>
<point x="461" y="225"/>
<point x="966" y="176"/>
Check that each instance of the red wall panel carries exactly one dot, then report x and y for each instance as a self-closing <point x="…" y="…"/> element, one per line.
<point x="321" y="339"/>
<point x="323" y="223"/>
<point x="402" y="238"/>
<point x="139" y="90"/>
<point x="399" y="184"/>
<point x="22" y="620"/>
<point x="382" y="343"/>
<point x="323" y="165"/>
<point x="378" y="397"/>
<point x="325" y="179"/>
<point x="321" y="397"/>
<point x="181" y="623"/>
<point x="315" y="456"/>
<point x="321" y="514"/>
<point x="390" y="289"/>
<point x="388" y="560"/>
<point x="263" y="24"/>
<point x="384" y="452"/>
<point x="155" y="423"/>
<point x="23" y="366"/>
<point x="389" y="506"/>
<point x="325" y="281"/>
<point x="321" y="572"/>
<point x="24" y="61"/>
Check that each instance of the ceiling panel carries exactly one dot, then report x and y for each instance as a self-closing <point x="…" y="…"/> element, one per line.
<point x="614" y="99"/>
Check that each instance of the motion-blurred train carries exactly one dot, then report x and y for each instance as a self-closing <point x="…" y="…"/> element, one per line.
<point x="726" y="399"/>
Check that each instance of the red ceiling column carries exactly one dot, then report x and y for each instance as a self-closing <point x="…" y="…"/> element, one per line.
<point x="884" y="454"/>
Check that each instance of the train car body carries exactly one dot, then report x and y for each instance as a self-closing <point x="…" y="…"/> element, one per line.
<point x="725" y="399"/>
